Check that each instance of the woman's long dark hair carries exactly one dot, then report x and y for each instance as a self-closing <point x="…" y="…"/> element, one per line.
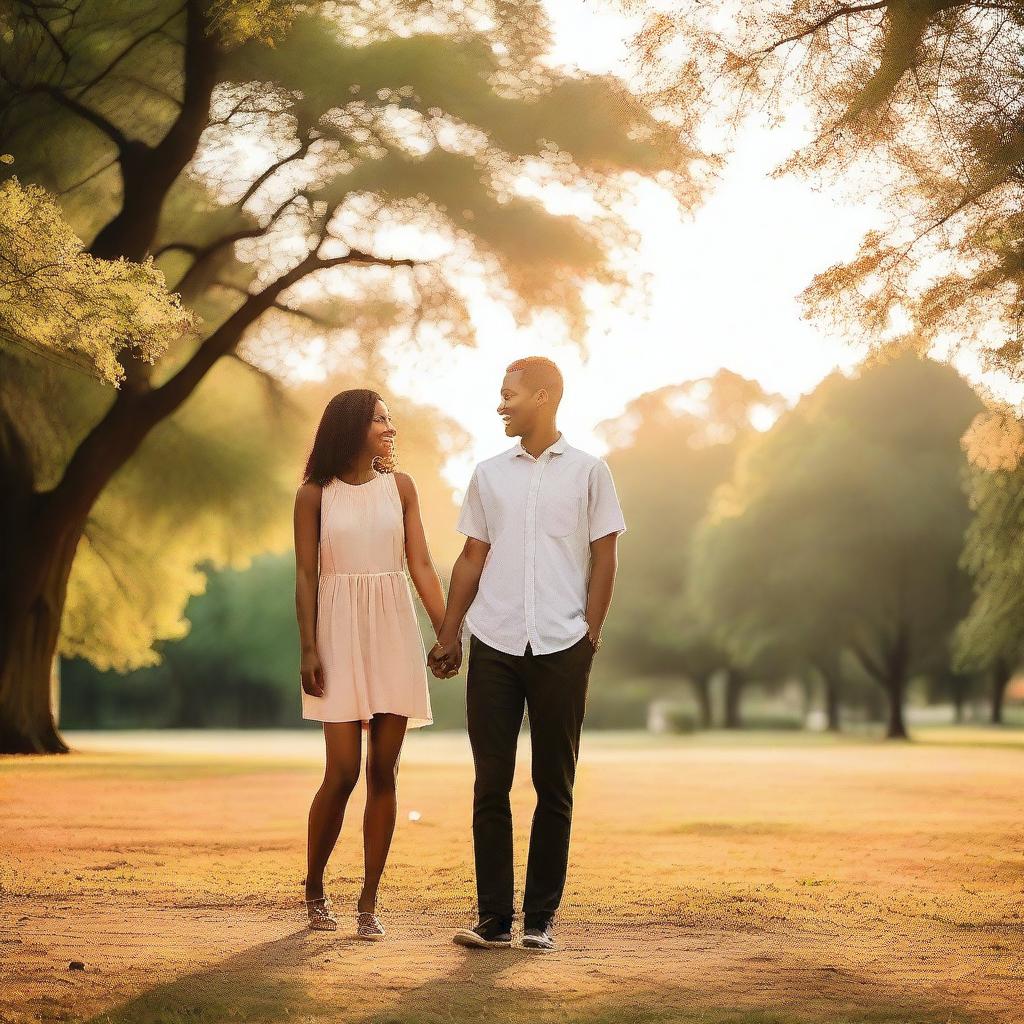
<point x="341" y="435"/>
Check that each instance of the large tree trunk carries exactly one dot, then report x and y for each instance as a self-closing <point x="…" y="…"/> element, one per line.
<point x="32" y="580"/>
<point x="734" y="680"/>
<point x="33" y="586"/>
<point x="41" y="532"/>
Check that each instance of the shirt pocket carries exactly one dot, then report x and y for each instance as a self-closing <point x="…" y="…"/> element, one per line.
<point x="560" y="515"/>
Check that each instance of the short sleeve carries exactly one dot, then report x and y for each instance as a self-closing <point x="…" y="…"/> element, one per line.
<point x="603" y="511"/>
<point x="472" y="521"/>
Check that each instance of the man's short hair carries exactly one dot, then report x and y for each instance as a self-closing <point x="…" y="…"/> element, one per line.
<point x="539" y="372"/>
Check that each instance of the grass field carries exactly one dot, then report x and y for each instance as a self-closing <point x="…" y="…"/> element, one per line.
<point x="727" y="880"/>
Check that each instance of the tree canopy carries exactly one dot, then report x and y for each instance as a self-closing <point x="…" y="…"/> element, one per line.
<point x="991" y="637"/>
<point x="670" y="449"/>
<point x="311" y="179"/>
<point x="916" y="105"/>
<point x="842" y="528"/>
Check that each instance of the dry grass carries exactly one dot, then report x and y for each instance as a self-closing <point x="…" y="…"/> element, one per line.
<point x="760" y="881"/>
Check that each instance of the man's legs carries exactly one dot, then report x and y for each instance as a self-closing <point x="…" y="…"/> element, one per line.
<point x="556" y="694"/>
<point x="495" y="702"/>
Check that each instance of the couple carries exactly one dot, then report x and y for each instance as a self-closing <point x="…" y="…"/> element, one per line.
<point x="533" y="583"/>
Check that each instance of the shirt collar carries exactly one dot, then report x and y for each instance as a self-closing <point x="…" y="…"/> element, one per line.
<point x="555" y="449"/>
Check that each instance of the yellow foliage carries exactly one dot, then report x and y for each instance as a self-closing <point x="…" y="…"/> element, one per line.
<point x="995" y="440"/>
<point x="238" y="21"/>
<point x="212" y="486"/>
<point x="55" y="296"/>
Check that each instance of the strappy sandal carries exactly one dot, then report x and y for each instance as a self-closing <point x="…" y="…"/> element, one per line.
<point x="368" y="926"/>
<point x="321" y="918"/>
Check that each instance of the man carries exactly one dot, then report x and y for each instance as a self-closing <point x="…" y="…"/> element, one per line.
<point x="534" y="583"/>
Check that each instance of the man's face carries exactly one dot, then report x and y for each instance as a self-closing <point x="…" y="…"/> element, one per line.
<point x="518" y="407"/>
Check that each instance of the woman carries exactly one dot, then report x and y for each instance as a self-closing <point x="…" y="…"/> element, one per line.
<point x="363" y="660"/>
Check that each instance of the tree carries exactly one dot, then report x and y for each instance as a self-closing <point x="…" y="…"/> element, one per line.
<point x="842" y="527"/>
<point x="67" y="302"/>
<point x="357" y="138"/>
<point x="670" y="449"/>
<point x="915" y="104"/>
<point x="990" y="639"/>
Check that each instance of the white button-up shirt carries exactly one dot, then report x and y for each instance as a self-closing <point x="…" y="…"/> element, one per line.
<point x="539" y="516"/>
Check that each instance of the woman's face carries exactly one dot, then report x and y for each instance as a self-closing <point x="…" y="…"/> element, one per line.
<point x="380" y="440"/>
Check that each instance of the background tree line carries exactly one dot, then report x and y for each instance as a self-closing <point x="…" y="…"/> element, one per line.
<point x="849" y="550"/>
<point x="233" y="169"/>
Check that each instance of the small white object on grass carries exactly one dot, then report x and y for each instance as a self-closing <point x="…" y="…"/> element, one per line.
<point x="414" y="815"/>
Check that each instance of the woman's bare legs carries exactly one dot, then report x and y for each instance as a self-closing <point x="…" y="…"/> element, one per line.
<point x="344" y="744"/>
<point x="384" y="746"/>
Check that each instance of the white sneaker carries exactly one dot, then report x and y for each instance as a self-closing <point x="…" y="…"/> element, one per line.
<point x="538" y="938"/>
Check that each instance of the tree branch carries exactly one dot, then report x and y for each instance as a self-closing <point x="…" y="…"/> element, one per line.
<point x="277" y="393"/>
<point x="86" y="86"/>
<point x="843" y="11"/>
<point x="298" y="154"/>
<point x="204" y="253"/>
<point x="200" y="68"/>
<point x="134" y="413"/>
<point x="872" y="664"/>
<point x="302" y="314"/>
<point x="93" y="117"/>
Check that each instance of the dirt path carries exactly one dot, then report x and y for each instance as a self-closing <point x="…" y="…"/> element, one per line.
<point x="751" y="883"/>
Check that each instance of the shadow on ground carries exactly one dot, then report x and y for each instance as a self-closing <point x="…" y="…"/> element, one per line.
<point x="299" y="978"/>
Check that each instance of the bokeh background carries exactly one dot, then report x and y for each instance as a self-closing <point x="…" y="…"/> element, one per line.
<point x="776" y="249"/>
<point x="779" y="274"/>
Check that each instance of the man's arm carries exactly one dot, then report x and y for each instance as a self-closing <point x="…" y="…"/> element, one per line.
<point x="606" y="523"/>
<point x="604" y="562"/>
<point x="461" y="591"/>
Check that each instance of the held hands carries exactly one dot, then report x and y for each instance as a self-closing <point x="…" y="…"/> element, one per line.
<point x="445" y="658"/>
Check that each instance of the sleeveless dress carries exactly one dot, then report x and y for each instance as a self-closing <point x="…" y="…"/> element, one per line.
<point x="367" y="636"/>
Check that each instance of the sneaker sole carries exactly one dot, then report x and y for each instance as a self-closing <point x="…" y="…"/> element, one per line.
<point x="470" y="938"/>
<point x="542" y="947"/>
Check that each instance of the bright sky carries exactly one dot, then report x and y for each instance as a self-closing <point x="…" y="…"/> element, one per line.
<point x="723" y="295"/>
<point x="724" y="291"/>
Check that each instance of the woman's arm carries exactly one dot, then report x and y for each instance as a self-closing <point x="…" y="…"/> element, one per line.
<point x="466" y="573"/>
<point x="307" y="584"/>
<point x="417" y="553"/>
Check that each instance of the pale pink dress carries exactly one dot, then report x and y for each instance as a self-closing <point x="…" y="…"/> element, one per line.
<point x="367" y="636"/>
